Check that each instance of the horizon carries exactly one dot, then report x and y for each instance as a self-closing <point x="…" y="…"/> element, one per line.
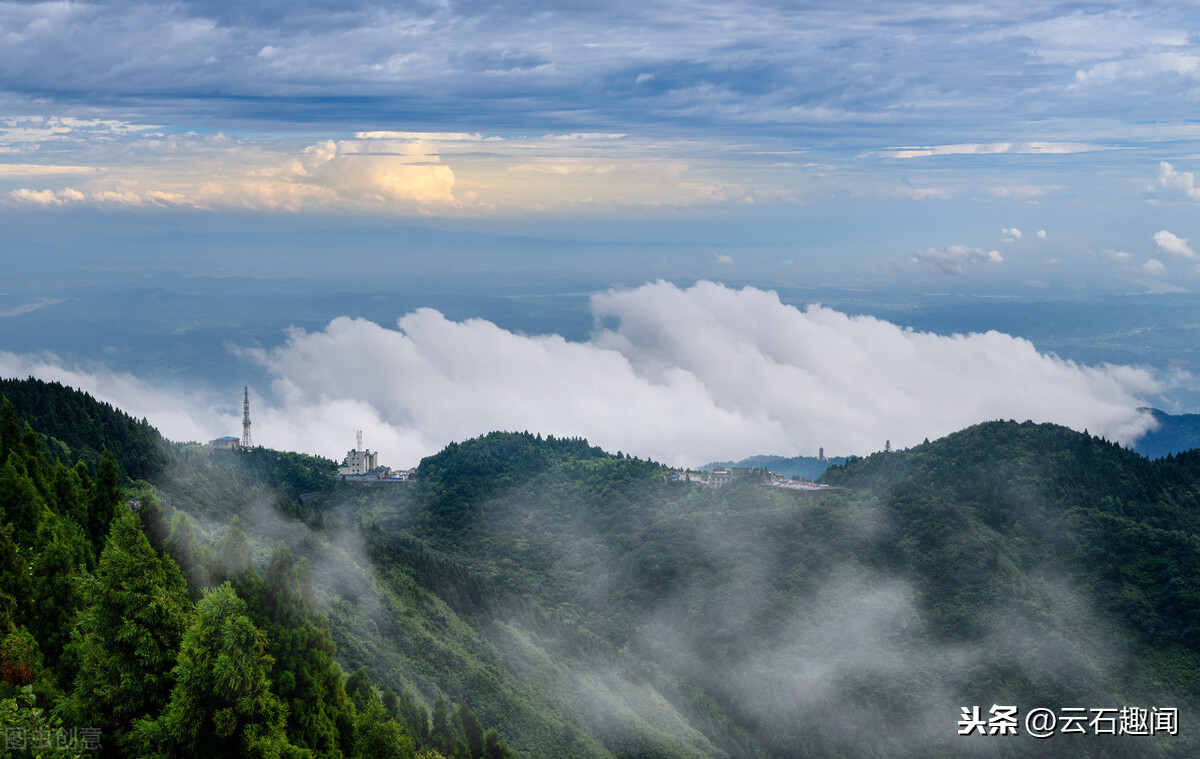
<point x="195" y="198"/>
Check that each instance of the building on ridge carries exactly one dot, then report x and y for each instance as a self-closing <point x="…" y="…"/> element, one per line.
<point x="227" y="443"/>
<point x="358" y="461"/>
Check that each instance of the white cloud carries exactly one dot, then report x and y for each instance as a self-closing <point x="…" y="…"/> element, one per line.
<point x="1154" y="268"/>
<point x="1178" y="184"/>
<point x="375" y="174"/>
<point x="1022" y="192"/>
<point x="1041" y="234"/>
<point x="954" y="259"/>
<point x="722" y="258"/>
<point x="1010" y="234"/>
<point x="1173" y="245"/>
<point x="1119" y="256"/>
<point x="37" y="170"/>
<point x="993" y="148"/>
<point x="682" y="375"/>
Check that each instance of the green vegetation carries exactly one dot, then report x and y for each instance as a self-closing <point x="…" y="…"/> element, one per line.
<point x="539" y="597"/>
<point x="108" y="647"/>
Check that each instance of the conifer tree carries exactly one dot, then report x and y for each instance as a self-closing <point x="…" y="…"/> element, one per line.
<point x="231" y="555"/>
<point x="106" y="496"/>
<point x="470" y="729"/>
<point x="415" y="718"/>
<point x="55" y="595"/>
<point x="444" y="738"/>
<point x="20" y="504"/>
<point x="222" y="704"/>
<point x="16" y="584"/>
<point x="358" y="688"/>
<point x="378" y="736"/>
<point x="306" y="677"/>
<point x="494" y="748"/>
<point x="36" y="465"/>
<point x="10" y="429"/>
<point x="70" y="499"/>
<point x="181" y="543"/>
<point x="136" y="610"/>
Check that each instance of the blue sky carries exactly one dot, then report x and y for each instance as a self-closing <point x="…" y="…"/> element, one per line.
<point x="949" y="147"/>
<point x="1034" y="118"/>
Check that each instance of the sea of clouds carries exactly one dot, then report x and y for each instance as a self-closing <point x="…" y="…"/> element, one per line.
<point x="682" y="375"/>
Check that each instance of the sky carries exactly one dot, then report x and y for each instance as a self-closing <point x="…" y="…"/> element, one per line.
<point x="657" y="159"/>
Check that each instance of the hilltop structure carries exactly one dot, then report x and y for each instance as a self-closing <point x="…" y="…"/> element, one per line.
<point x="358" y="461"/>
<point x="227" y="443"/>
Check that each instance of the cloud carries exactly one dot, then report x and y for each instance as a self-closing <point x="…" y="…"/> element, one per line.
<point x="682" y="375"/>
<point x="722" y="258"/>
<point x="1041" y="234"/>
<point x="1176" y="184"/>
<point x="993" y="148"/>
<point x="1119" y="256"/>
<point x="1173" y="245"/>
<point x="359" y="175"/>
<point x="1010" y="234"/>
<point x="954" y="259"/>
<point x="36" y="170"/>
<point x="1154" y="268"/>
<point x="1022" y="192"/>
<point x="420" y="173"/>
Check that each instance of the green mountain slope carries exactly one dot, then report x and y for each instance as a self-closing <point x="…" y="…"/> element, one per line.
<point x="83" y="426"/>
<point x="583" y="605"/>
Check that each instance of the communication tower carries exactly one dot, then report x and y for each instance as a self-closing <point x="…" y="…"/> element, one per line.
<point x="247" y="441"/>
<point x="358" y="438"/>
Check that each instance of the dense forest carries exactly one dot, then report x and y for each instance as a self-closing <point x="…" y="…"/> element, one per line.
<point x="539" y="597"/>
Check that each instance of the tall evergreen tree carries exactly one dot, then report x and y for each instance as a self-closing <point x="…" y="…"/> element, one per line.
<point x="222" y="704"/>
<point x="10" y="429"/>
<point x="444" y="737"/>
<point x="494" y="748"/>
<point x="378" y="736"/>
<point x="70" y="495"/>
<point x="359" y="688"/>
<point x="56" y="597"/>
<point x="136" y="610"/>
<point x="181" y="543"/>
<point x="20" y="504"/>
<point x="16" y="585"/>
<point x="415" y="718"/>
<point x="470" y="729"/>
<point x="106" y="496"/>
<point x="306" y="677"/>
<point x="231" y="555"/>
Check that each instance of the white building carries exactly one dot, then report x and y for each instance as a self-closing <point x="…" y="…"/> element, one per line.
<point x="359" y="461"/>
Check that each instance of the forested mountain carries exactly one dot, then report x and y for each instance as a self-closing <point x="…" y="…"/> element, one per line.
<point x="583" y="605"/>
<point x="84" y="426"/>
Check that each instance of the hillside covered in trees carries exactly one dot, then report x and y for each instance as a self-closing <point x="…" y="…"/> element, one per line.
<point x="539" y="597"/>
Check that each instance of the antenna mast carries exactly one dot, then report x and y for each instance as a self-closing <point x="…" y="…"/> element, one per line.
<point x="247" y="441"/>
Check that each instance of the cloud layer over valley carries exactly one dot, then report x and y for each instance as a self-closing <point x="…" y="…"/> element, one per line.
<point x="681" y="375"/>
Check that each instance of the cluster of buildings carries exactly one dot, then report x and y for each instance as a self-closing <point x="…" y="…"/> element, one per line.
<point x="721" y="476"/>
<point x="360" y="464"/>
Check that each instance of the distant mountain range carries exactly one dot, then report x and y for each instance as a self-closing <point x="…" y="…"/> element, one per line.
<point x="1176" y="433"/>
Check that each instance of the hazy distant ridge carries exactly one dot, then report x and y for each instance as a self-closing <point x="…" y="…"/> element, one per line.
<point x="1176" y="433"/>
